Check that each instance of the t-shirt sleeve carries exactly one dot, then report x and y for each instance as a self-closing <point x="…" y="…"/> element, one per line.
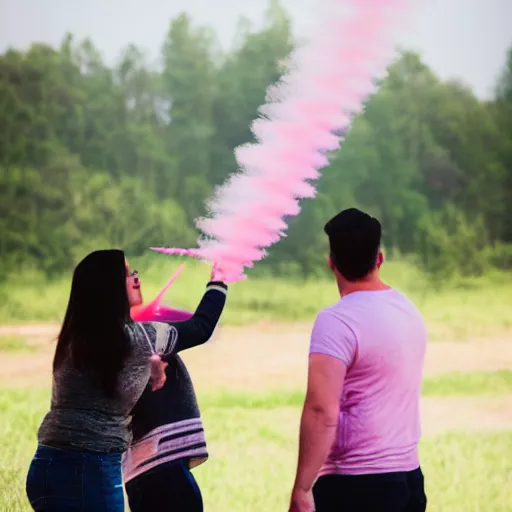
<point x="333" y="337"/>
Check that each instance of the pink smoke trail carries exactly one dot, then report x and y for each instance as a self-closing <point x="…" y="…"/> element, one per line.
<point x="327" y="82"/>
<point x="155" y="311"/>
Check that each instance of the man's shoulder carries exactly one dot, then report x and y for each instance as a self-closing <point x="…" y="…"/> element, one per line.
<point x="340" y="310"/>
<point x="331" y="309"/>
<point x="408" y="304"/>
<point x="335" y="315"/>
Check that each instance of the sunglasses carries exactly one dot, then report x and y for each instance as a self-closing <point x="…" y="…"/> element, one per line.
<point x="134" y="273"/>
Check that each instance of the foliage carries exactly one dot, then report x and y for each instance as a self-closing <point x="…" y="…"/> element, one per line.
<point x="92" y="155"/>
<point x="451" y="245"/>
<point x="500" y="256"/>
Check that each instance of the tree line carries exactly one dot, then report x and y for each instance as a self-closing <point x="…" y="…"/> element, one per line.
<point x="93" y="155"/>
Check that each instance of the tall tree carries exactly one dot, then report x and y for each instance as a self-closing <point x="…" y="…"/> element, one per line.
<point x="256" y="62"/>
<point x="502" y="110"/>
<point x="189" y="81"/>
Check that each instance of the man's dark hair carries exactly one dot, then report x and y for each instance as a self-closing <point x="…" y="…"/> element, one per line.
<point x="354" y="241"/>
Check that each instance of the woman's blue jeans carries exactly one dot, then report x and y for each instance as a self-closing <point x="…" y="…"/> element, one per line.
<point x="61" y="480"/>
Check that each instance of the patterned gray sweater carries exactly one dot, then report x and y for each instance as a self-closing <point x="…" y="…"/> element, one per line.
<point x="82" y="417"/>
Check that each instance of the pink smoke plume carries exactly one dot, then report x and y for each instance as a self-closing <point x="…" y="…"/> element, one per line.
<point x="155" y="311"/>
<point x="328" y="80"/>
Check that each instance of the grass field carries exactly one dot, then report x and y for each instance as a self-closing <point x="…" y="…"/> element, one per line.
<point x="250" y="381"/>
<point x="252" y="442"/>
<point x="32" y="298"/>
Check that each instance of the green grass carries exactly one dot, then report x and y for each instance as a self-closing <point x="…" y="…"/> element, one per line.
<point x="497" y="383"/>
<point x="253" y="437"/>
<point x="474" y="308"/>
<point x="13" y="343"/>
<point x="253" y="442"/>
<point x="451" y="384"/>
<point x="471" y="383"/>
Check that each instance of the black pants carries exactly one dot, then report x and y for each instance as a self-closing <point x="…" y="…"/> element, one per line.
<point x="387" y="492"/>
<point x="170" y="487"/>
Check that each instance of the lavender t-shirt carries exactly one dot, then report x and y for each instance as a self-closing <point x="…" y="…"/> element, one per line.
<point x="381" y="338"/>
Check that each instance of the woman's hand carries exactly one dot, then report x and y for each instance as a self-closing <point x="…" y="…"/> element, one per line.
<point x="216" y="275"/>
<point x="219" y="275"/>
<point x="158" y="377"/>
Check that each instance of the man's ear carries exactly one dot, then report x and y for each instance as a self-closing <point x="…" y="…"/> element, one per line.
<point x="380" y="259"/>
<point x="329" y="262"/>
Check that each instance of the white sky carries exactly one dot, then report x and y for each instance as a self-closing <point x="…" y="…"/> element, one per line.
<point x="464" y="39"/>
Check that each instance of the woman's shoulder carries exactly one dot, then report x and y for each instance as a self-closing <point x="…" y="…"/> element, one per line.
<point x="141" y="336"/>
<point x="138" y="329"/>
<point x="157" y="334"/>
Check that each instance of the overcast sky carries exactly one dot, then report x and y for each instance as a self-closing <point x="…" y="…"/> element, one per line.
<point x="464" y="39"/>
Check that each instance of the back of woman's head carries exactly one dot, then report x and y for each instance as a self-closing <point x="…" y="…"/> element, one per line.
<point x="93" y="332"/>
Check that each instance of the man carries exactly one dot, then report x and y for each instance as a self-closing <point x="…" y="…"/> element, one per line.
<point x="360" y="427"/>
<point x="168" y="434"/>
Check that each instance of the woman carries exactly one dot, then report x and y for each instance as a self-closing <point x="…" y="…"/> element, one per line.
<point x="168" y="433"/>
<point x="100" y="369"/>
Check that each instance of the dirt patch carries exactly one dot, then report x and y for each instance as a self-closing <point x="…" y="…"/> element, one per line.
<point x="26" y="369"/>
<point x="270" y="357"/>
<point x="262" y="357"/>
<point x="246" y="358"/>
<point x="482" y="355"/>
<point x="440" y="415"/>
<point x="46" y="331"/>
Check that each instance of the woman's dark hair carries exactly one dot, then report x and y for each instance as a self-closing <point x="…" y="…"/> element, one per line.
<point x="93" y="333"/>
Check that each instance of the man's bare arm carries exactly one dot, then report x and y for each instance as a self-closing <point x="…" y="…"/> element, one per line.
<point x="319" y="417"/>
